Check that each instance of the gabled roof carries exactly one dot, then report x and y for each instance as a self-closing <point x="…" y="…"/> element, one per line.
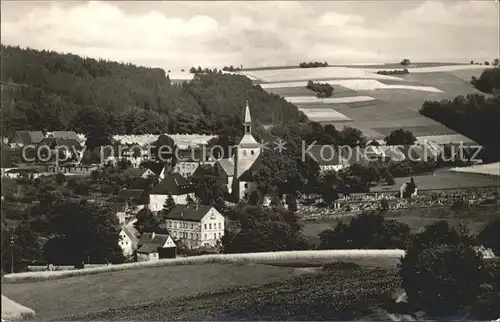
<point x="64" y="135"/>
<point x="134" y="172"/>
<point x="156" y="167"/>
<point x="249" y="142"/>
<point x="138" y="196"/>
<point x="150" y="242"/>
<point x="27" y="137"/>
<point x="174" y="184"/>
<point x="131" y="233"/>
<point x="68" y="143"/>
<point x="227" y="165"/>
<point x="183" y="212"/>
<point x="247" y="175"/>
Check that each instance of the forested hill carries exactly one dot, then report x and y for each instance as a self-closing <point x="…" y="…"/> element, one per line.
<point x="45" y="90"/>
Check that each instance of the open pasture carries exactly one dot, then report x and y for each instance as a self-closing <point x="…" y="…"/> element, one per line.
<point x="291" y="91"/>
<point x="324" y="115"/>
<point x="418" y="130"/>
<point x="329" y="100"/>
<point x="450" y="84"/>
<point x="305" y="74"/>
<point x="82" y="294"/>
<point x="446" y="138"/>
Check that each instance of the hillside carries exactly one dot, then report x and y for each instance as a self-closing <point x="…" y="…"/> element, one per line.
<point x="44" y="90"/>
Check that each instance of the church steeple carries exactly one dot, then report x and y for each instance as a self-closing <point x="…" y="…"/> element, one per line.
<point x="248" y="120"/>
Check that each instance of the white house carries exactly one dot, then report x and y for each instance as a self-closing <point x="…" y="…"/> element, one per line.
<point x="128" y="241"/>
<point x="138" y="173"/>
<point x="189" y="160"/>
<point x="328" y="158"/>
<point x="175" y="185"/>
<point x="195" y="226"/>
<point x="154" y="246"/>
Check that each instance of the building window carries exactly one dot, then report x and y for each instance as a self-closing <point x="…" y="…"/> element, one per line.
<point x="169" y="224"/>
<point x="244" y="152"/>
<point x="246" y="185"/>
<point x="209" y="226"/>
<point x="251" y="152"/>
<point x="220" y="235"/>
<point x="215" y="236"/>
<point x="205" y="226"/>
<point x="190" y="235"/>
<point x="219" y="225"/>
<point x="192" y="226"/>
<point x="205" y="236"/>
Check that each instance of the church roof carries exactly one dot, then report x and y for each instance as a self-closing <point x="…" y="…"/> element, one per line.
<point x="248" y="141"/>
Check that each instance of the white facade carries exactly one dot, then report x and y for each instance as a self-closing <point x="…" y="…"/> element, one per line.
<point x="143" y="257"/>
<point x="207" y="232"/>
<point x="126" y="244"/>
<point x="156" y="202"/>
<point x="328" y="167"/>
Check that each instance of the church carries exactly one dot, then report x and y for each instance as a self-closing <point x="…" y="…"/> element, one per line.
<point x="236" y="168"/>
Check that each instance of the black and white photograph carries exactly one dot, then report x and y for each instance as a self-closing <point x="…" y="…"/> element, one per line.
<point x="250" y="160"/>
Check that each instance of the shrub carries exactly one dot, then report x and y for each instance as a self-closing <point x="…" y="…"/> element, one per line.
<point x="445" y="279"/>
<point x="405" y="62"/>
<point x="487" y="63"/>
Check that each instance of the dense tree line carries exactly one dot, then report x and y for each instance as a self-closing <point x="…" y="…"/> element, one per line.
<point x="394" y="72"/>
<point x="488" y="80"/>
<point x="321" y="89"/>
<point x="474" y="116"/>
<point x="313" y="64"/>
<point x="44" y="90"/>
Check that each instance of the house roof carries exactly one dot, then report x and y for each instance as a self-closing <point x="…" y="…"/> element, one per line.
<point x="247" y="175"/>
<point x="156" y="167"/>
<point x="54" y="142"/>
<point x="117" y="206"/>
<point x="174" y="184"/>
<point x="134" y="172"/>
<point x="183" y="212"/>
<point x="227" y="165"/>
<point x="64" y="135"/>
<point x="131" y="233"/>
<point x="194" y="155"/>
<point x="27" y="137"/>
<point x="150" y="242"/>
<point x="138" y="196"/>
<point x="248" y="141"/>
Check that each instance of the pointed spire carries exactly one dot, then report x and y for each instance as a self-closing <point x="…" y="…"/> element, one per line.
<point x="248" y="119"/>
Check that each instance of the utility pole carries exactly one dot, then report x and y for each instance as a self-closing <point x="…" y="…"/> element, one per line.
<point x="12" y="254"/>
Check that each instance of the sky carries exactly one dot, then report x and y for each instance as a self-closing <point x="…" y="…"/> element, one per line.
<point x="174" y="35"/>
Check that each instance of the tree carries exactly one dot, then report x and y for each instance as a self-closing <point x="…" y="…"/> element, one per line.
<point x="445" y="279"/>
<point x="438" y="245"/>
<point x="495" y="62"/>
<point x="80" y="231"/>
<point x="367" y="231"/>
<point x="169" y="205"/>
<point x="164" y="150"/>
<point x="210" y="188"/>
<point x="486" y="63"/>
<point x="400" y="137"/>
<point x="263" y="230"/>
<point x="60" y="178"/>
<point x="384" y="205"/>
<point x="405" y="62"/>
<point x="147" y="222"/>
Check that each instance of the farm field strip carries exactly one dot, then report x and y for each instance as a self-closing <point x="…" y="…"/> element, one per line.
<point x="324" y="114"/>
<point x="446" y="138"/>
<point x="488" y="169"/>
<point x="218" y="258"/>
<point x="330" y="100"/>
<point x="358" y="85"/>
<point x="432" y="69"/>
<point x="299" y="74"/>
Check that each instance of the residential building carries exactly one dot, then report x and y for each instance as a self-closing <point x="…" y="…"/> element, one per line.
<point x="175" y="185"/>
<point x="190" y="159"/>
<point x="64" y="135"/>
<point x="152" y="246"/>
<point x="128" y="240"/>
<point x="328" y="158"/>
<point x="195" y="226"/>
<point x="226" y="169"/>
<point x="23" y="138"/>
<point x="136" y="199"/>
<point x="158" y="168"/>
<point x="143" y="173"/>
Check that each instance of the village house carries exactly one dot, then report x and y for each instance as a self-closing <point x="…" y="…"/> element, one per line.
<point x="175" y="185"/>
<point x="143" y="173"/>
<point x="158" y="168"/>
<point x="23" y="138"/>
<point x="64" y="135"/>
<point x="136" y="199"/>
<point x="71" y="169"/>
<point x="328" y="158"/>
<point x="128" y="241"/>
<point x="152" y="246"/>
<point x="195" y="226"/>
<point x="190" y="159"/>
<point x="226" y="169"/>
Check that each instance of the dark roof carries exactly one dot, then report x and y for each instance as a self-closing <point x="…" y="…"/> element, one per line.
<point x="148" y="244"/>
<point x="174" y="184"/>
<point x="183" y="212"/>
<point x="227" y="165"/>
<point x="54" y="142"/>
<point x="156" y="167"/>
<point x="23" y="170"/>
<point x="193" y="155"/>
<point x="134" y="172"/>
<point x="64" y="135"/>
<point x="27" y="137"/>
<point x="117" y="206"/>
<point x="138" y="196"/>
<point x="248" y="174"/>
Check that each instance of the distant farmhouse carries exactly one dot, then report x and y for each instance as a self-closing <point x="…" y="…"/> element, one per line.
<point x="152" y="246"/>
